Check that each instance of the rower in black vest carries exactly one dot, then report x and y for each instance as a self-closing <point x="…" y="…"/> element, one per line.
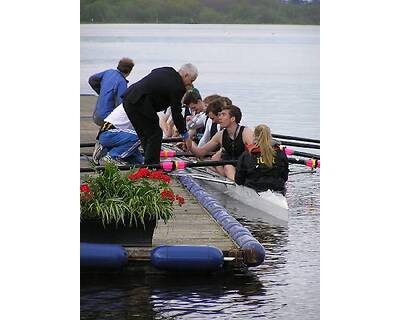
<point x="233" y="139"/>
<point x="232" y="148"/>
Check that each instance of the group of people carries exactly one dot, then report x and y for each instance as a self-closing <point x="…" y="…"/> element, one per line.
<point x="165" y="102"/>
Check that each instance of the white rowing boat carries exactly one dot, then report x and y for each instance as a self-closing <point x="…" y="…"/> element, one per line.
<point x="266" y="204"/>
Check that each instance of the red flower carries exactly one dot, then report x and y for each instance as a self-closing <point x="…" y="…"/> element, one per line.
<point x="166" y="178"/>
<point x="168" y="194"/>
<point x="141" y="173"/>
<point x="159" y="175"/>
<point x="85" y="188"/>
<point x="180" y="199"/>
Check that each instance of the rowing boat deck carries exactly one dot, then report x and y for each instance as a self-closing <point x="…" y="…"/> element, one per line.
<point x="192" y="224"/>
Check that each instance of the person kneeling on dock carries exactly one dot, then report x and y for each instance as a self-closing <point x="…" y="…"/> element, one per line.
<point x="232" y="140"/>
<point x="264" y="165"/>
<point x="117" y="140"/>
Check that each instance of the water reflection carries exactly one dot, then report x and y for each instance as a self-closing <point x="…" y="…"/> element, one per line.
<point x="123" y="296"/>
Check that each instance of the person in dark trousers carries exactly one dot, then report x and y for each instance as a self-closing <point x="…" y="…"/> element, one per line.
<point x="264" y="165"/>
<point x="161" y="88"/>
<point x="110" y="85"/>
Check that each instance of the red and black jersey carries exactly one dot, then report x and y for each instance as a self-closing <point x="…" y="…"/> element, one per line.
<point x="252" y="172"/>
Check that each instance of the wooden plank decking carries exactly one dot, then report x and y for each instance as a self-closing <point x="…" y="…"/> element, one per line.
<point x="192" y="224"/>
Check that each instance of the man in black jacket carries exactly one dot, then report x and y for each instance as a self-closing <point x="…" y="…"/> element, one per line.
<point x="162" y="88"/>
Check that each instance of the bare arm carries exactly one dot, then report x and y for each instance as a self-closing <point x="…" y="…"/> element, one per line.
<point x="210" y="146"/>
<point x="248" y="136"/>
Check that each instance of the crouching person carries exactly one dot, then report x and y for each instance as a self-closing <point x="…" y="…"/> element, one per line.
<point x="117" y="140"/>
<point x="264" y="165"/>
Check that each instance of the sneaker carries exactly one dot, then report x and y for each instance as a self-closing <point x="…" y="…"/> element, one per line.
<point x="118" y="162"/>
<point x="97" y="152"/>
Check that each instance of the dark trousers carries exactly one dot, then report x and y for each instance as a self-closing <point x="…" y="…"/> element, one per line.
<point x="146" y="123"/>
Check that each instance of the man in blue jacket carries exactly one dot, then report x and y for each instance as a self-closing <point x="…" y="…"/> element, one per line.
<point x="162" y="88"/>
<point x="110" y="85"/>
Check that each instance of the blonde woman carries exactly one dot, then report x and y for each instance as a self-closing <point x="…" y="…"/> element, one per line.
<point x="263" y="165"/>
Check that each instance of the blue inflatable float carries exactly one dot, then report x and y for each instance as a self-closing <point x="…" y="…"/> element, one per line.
<point x="96" y="255"/>
<point x="187" y="258"/>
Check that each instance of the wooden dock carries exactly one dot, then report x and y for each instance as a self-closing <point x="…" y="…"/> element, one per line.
<point x="192" y="224"/>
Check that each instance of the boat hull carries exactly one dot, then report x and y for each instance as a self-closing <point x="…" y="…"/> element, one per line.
<point x="270" y="206"/>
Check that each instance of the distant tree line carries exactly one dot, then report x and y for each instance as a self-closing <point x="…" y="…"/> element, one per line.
<point x="200" y="11"/>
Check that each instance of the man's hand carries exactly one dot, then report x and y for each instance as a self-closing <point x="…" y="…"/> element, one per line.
<point x="188" y="143"/>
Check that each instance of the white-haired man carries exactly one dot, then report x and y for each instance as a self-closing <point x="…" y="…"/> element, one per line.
<point x="161" y="88"/>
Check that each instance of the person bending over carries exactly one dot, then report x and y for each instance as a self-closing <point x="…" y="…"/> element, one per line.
<point x="232" y="139"/>
<point x="162" y="88"/>
<point x="110" y="85"/>
<point x="264" y="165"/>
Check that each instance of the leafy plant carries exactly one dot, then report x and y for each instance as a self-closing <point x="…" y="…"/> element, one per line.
<point x="127" y="198"/>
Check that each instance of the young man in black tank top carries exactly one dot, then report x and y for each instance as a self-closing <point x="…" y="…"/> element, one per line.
<point x="232" y="140"/>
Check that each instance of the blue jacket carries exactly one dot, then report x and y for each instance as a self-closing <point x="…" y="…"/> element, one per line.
<point x="110" y="86"/>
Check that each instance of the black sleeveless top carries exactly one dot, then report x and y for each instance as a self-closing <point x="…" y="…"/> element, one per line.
<point x="213" y="130"/>
<point x="232" y="149"/>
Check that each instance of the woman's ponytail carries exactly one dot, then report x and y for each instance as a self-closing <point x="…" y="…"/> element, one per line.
<point x="263" y="139"/>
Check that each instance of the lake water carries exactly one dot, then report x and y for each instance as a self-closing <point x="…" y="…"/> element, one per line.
<point x="272" y="74"/>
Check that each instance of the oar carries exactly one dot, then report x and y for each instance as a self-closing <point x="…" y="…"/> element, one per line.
<point x="179" y="139"/>
<point x="199" y="177"/>
<point x="169" y="165"/>
<point x="291" y="152"/>
<point x="165" y="154"/>
<point x="281" y="136"/>
<point x="166" y="140"/>
<point x="172" y="165"/>
<point x="299" y="144"/>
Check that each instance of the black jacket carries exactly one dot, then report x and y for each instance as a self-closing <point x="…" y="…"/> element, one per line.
<point x="165" y="88"/>
<point x="258" y="176"/>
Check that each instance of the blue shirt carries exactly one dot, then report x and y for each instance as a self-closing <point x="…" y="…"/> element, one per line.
<point x="110" y="85"/>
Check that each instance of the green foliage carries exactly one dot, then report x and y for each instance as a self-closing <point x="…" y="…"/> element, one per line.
<point x="199" y="11"/>
<point x="127" y="198"/>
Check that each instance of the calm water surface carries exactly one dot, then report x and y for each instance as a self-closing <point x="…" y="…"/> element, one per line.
<point x="272" y="74"/>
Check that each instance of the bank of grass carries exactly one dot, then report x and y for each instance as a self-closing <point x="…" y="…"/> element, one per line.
<point x="199" y="11"/>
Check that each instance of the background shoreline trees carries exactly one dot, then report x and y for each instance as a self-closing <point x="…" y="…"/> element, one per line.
<point x="200" y="11"/>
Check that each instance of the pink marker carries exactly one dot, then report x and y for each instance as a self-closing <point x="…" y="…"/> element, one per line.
<point x="289" y="151"/>
<point x="180" y="164"/>
<point x="166" y="165"/>
<point x="167" y="153"/>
